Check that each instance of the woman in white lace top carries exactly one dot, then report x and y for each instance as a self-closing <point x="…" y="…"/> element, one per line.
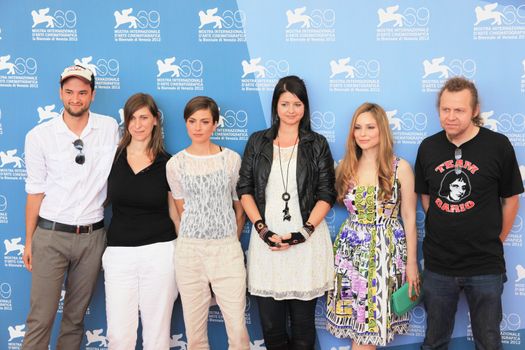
<point x="202" y="179"/>
<point x="286" y="186"/>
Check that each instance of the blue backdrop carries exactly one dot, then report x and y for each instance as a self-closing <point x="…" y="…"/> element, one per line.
<point x="395" y="53"/>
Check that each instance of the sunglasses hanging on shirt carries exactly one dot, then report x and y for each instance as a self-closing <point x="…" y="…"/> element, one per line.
<point x="457" y="156"/>
<point x="79" y="145"/>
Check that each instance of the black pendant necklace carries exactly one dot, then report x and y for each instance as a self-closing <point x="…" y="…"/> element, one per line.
<point x="286" y="196"/>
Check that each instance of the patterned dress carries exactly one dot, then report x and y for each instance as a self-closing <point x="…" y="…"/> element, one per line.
<point x="370" y="263"/>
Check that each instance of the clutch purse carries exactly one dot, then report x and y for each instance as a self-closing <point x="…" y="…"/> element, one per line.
<point x="401" y="303"/>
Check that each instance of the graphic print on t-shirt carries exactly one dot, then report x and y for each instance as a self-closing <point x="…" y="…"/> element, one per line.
<point x="455" y="187"/>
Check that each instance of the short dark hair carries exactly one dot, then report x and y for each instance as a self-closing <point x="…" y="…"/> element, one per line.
<point x="296" y="86"/>
<point x="457" y="84"/>
<point x="202" y="102"/>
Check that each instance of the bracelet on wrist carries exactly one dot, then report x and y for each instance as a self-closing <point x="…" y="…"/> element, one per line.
<point x="259" y="225"/>
<point x="304" y="233"/>
<point x="309" y="228"/>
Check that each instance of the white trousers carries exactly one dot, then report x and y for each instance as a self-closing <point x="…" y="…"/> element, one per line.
<point x="139" y="280"/>
<point x="219" y="262"/>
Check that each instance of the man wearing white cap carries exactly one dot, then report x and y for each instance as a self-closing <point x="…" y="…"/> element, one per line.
<point x="68" y="160"/>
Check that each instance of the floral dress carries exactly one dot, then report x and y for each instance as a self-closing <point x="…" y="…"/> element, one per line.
<point x="370" y="262"/>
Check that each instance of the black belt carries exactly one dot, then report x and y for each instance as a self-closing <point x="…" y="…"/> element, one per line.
<point x="78" y="229"/>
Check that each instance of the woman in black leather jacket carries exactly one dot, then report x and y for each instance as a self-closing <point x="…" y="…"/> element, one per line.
<point x="286" y="187"/>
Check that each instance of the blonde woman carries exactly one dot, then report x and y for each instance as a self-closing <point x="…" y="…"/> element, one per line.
<point x="374" y="253"/>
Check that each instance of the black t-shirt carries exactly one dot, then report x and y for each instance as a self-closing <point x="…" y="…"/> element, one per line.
<point x="464" y="217"/>
<point x="139" y="204"/>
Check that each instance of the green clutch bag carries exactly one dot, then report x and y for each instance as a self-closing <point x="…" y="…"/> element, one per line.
<point x="401" y="303"/>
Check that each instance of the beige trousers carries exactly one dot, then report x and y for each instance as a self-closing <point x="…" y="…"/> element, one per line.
<point x="198" y="263"/>
<point x="59" y="256"/>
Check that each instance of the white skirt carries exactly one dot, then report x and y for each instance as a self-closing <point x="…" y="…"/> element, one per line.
<point x="303" y="271"/>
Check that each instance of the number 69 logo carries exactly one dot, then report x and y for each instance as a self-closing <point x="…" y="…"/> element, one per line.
<point x="25" y="66"/>
<point x="231" y="119"/>
<point x="322" y="120"/>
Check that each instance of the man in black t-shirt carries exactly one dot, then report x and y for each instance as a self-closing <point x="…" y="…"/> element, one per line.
<point x="469" y="182"/>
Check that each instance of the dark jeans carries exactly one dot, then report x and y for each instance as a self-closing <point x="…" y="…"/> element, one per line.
<point x="274" y="317"/>
<point x="483" y="295"/>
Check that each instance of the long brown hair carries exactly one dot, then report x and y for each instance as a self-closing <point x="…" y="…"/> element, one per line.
<point x="346" y="173"/>
<point x="133" y="104"/>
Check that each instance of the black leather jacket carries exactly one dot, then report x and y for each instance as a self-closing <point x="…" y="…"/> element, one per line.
<point x="315" y="170"/>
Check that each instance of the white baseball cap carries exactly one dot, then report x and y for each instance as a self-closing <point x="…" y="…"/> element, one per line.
<point x="79" y="72"/>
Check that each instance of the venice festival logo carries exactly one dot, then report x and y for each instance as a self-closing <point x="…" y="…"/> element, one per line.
<point x="488" y="13"/>
<point x="166" y="66"/>
<point x="106" y="71"/>
<point x="254" y="67"/>
<point x="6" y="65"/>
<point x="143" y="20"/>
<point x="14" y="246"/>
<point x="269" y="69"/>
<point x="59" y="25"/>
<point x="144" y="26"/>
<point x="95" y="336"/>
<point x="47" y="113"/>
<point x="210" y="17"/>
<point x="184" y="75"/>
<point x="60" y="18"/>
<point x="436" y="66"/>
<point x="510" y="124"/>
<point x="176" y="342"/>
<point x="19" y="66"/>
<point x="19" y="72"/>
<point x="342" y="66"/>
<point x="16" y="332"/>
<point x="438" y="69"/>
<point x="10" y="157"/>
<point x="257" y="344"/>
<point x="315" y="25"/>
<point x="389" y="15"/>
<point x="360" y="75"/>
<point x="406" y="121"/>
<point x="298" y="16"/>
<point x="228" y="19"/>
<point x="260" y="75"/>
<point x="409" y="17"/>
<point x="407" y="24"/>
<point x="495" y="22"/>
<point x="222" y="26"/>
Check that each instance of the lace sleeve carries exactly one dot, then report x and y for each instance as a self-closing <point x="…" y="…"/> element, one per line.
<point x="235" y="161"/>
<point x="173" y="177"/>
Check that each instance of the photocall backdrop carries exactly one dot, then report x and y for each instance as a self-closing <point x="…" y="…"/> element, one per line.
<point x="395" y="53"/>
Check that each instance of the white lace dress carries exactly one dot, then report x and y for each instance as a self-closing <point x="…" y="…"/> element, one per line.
<point x="207" y="185"/>
<point x="303" y="271"/>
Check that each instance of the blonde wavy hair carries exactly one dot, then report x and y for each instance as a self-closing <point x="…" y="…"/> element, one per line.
<point x="346" y="172"/>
